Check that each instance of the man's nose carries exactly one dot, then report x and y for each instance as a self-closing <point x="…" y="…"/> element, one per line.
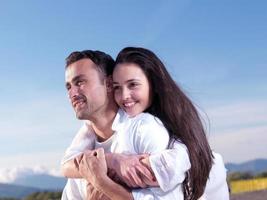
<point x="73" y="91"/>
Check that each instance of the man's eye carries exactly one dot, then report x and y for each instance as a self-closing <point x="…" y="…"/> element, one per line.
<point x="68" y="87"/>
<point x="79" y="83"/>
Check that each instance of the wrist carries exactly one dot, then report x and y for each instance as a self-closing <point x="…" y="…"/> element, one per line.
<point x="110" y="160"/>
<point x="101" y="182"/>
<point x="108" y="157"/>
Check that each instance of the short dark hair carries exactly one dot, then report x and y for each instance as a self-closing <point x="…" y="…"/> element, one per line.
<point x="103" y="61"/>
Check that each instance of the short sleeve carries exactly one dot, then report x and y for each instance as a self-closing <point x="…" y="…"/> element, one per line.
<point x="84" y="140"/>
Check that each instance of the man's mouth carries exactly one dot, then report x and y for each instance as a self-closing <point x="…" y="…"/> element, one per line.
<point x="78" y="103"/>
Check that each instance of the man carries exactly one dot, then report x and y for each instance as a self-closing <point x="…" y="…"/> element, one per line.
<point x="90" y="93"/>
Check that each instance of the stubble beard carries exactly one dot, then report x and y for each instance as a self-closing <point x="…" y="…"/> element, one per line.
<point x="85" y="113"/>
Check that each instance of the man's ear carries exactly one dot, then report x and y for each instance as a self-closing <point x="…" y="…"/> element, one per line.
<point x="109" y="83"/>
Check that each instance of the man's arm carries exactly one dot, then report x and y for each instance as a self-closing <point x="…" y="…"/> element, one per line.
<point x="83" y="141"/>
<point x="94" y="194"/>
<point x="70" y="169"/>
<point x="93" y="168"/>
<point x="133" y="170"/>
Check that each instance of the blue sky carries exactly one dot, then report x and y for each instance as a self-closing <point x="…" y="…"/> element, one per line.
<point x="216" y="50"/>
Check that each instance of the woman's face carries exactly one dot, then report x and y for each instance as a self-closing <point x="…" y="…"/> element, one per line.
<point x="131" y="88"/>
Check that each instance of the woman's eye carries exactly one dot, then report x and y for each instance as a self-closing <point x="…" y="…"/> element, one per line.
<point x="133" y="85"/>
<point x="115" y="87"/>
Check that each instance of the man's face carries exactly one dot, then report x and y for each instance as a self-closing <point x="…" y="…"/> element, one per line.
<point x="86" y="89"/>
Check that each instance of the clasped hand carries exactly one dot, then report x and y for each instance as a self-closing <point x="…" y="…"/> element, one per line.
<point x="129" y="169"/>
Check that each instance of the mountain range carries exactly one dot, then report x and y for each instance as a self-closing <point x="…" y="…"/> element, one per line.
<point x="25" y="185"/>
<point x="253" y="166"/>
<point x="16" y="191"/>
<point x="41" y="181"/>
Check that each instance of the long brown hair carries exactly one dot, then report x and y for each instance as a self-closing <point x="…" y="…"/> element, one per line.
<point x="178" y="114"/>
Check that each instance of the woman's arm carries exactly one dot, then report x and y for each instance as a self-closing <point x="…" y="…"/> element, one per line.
<point x="131" y="170"/>
<point x="166" y="168"/>
<point x="170" y="166"/>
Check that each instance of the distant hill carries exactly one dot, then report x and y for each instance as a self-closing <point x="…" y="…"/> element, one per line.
<point x="16" y="191"/>
<point x="254" y="166"/>
<point x="41" y="181"/>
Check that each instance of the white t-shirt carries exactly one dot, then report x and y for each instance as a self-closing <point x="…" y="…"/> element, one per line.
<point x="141" y="134"/>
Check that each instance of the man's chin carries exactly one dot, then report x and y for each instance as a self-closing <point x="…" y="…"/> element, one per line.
<point x="80" y="116"/>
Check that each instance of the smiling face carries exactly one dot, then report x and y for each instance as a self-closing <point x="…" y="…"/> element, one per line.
<point x="86" y="88"/>
<point x="131" y="88"/>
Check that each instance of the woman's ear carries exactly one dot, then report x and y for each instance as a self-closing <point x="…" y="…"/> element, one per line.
<point x="109" y="84"/>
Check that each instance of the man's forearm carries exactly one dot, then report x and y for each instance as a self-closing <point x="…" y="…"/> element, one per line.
<point x="113" y="190"/>
<point x="70" y="169"/>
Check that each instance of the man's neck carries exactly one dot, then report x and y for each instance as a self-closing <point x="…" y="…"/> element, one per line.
<point x="102" y="124"/>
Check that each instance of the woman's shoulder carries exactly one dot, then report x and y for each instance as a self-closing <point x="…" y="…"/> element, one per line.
<point x="147" y="118"/>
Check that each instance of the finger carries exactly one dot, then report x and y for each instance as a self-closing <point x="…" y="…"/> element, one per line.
<point x="100" y="153"/>
<point x="134" y="176"/>
<point x="92" y="153"/>
<point x="87" y="151"/>
<point x="145" y="172"/>
<point x="76" y="163"/>
<point x="127" y="179"/>
<point x="143" y="156"/>
<point x="149" y="182"/>
<point x="80" y="157"/>
<point x="130" y="183"/>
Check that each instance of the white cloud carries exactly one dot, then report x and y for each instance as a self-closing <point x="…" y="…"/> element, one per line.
<point x="48" y="160"/>
<point x="243" y="114"/>
<point x="8" y="175"/>
<point x="239" y="131"/>
<point x="241" y="145"/>
<point x="35" y="133"/>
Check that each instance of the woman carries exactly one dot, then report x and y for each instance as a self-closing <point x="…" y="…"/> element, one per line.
<point x="170" y="104"/>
